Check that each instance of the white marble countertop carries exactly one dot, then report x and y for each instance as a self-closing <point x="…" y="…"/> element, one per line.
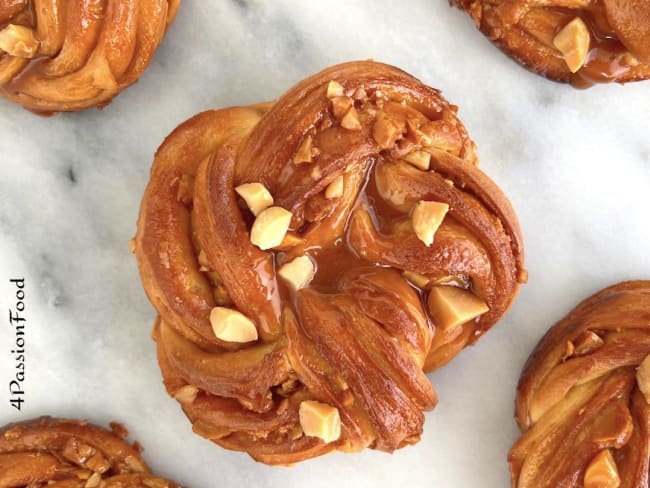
<point x="576" y="165"/>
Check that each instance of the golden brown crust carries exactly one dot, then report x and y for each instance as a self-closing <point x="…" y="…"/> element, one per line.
<point x="359" y="335"/>
<point x="71" y="454"/>
<point x="619" y="48"/>
<point x="580" y="395"/>
<point x="84" y="53"/>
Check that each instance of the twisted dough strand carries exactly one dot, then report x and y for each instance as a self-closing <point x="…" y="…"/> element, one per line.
<point x="583" y="396"/>
<point x="66" y="55"/>
<point x="358" y="337"/>
<point x="71" y="454"/>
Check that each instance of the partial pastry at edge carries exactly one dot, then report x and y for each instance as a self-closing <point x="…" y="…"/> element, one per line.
<point x="311" y="258"/>
<point x="583" y="397"/>
<point x="578" y="41"/>
<point x="69" y="55"/>
<point x="60" y="453"/>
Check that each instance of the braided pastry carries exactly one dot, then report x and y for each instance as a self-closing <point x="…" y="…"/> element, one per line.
<point x="308" y="258"/>
<point x="582" y="400"/>
<point x="577" y="41"/>
<point x="67" y="55"/>
<point x="71" y="454"/>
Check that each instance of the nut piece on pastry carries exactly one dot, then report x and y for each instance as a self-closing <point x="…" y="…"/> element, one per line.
<point x="573" y="41"/>
<point x="335" y="188"/>
<point x="66" y="56"/>
<point x="578" y="41"/>
<point x="270" y="227"/>
<point x="334" y="89"/>
<point x="256" y="196"/>
<point x="18" y="41"/>
<point x="643" y="378"/>
<point x="417" y="279"/>
<point x="72" y="453"/>
<point x="304" y="153"/>
<point x="451" y="306"/>
<point x="584" y="416"/>
<point x="419" y="159"/>
<point x="602" y="472"/>
<point x="331" y="276"/>
<point x="186" y="394"/>
<point x="297" y="273"/>
<point x="426" y="219"/>
<point x="232" y="326"/>
<point x="320" y="420"/>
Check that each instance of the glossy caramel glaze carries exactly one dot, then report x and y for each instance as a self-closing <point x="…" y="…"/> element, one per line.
<point x="359" y="336"/>
<point x="524" y="29"/>
<point x="579" y="394"/>
<point x="88" y="51"/>
<point x="71" y="454"/>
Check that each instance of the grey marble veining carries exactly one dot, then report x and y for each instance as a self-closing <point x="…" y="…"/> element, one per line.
<point x="576" y="165"/>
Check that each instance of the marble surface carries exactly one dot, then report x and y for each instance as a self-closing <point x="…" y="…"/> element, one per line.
<point x="576" y="165"/>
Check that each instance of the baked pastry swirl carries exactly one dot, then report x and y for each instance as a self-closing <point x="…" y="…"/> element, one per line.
<point x="577" y="41"/>
<point x="583" y="397"/>
<point x="67" y="55"/>
<point x="309" y="258"/>
<point x="71" y="454"/>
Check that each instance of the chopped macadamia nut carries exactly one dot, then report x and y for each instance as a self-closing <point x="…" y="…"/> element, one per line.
<point x="335" y="188"/>
<point x="602" y="472"/>
<point x="186" y="394"/>
<point x="426" y="218"/>
<point x="573" y="42"/>
<point x="232" y="326"/>
<point x="350" y="120"/>
<point x="298" y="273"/>
<point x="93" y="481"/>
<point x="629" y="60"/>
<point x="587" y="342"/>
<point x="386" y="131"/>
<point x="334" y="89"/>
<point x="643" y="378"/>
<point x="304" y="154"/>
<point x="320" y="420"/>
<point x="341" y="105"/>
<point x="419" y="159"/>
<point x="19" y="41"/>
<point x="451" y="306"/>
<point x="256" y="196"/>
<point x="416" y="278"/>
<point x="270" y="227"/>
